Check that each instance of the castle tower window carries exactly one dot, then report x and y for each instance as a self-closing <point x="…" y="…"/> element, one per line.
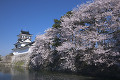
<point x="15" y="46"/>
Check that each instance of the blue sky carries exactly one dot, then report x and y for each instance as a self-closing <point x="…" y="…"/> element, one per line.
<point x="33" y="15"/>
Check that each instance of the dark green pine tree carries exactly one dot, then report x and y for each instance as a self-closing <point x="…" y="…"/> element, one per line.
<point x="56" y="23"/>
<point x="56" y="40"/>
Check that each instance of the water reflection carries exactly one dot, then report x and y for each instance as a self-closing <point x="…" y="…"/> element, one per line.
<point x="7" y="73"/>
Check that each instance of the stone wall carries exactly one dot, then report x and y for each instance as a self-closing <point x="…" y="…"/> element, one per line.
<point x="21" y="60"/>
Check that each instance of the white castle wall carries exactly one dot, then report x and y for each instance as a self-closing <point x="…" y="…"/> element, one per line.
<point x="21" y="51"/>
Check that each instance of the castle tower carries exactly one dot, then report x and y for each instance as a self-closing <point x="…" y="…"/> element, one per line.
<point x="23" y="43"/>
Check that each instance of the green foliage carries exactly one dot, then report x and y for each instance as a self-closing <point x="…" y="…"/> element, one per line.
<point x="11" y="54"/>
<point x="56" y="23"/>
<point x="56" y="42"/>
<point x="20" y="69"/>
<point x="0" y="58"/>
<point x="68" y="14"/>
<point x="19" y="63"/>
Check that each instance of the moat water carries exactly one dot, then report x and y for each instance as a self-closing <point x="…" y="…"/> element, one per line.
<point x="8" y="73"/>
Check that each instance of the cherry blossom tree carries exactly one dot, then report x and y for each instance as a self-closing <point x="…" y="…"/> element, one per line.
<point x="89" y="35"/>
<point x="93" y="25"/>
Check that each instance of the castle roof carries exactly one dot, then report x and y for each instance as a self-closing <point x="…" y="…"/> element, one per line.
<point x="25" y="32"/>
<point x="28" y="45"/>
